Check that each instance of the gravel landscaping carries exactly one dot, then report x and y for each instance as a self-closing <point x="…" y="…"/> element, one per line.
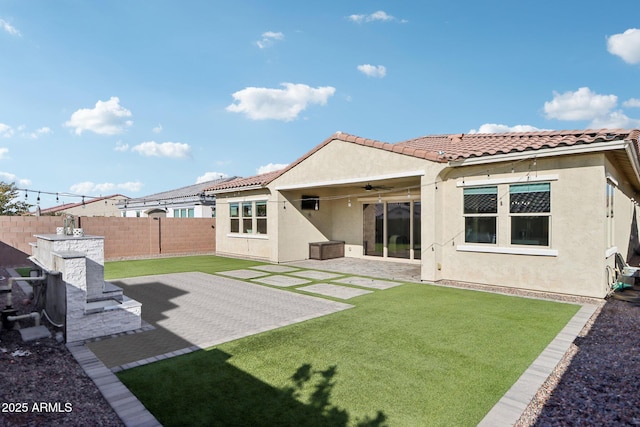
<point x="595" y="383"/>
<point x="41" y="384"/>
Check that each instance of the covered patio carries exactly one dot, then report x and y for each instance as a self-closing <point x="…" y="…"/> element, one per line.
<point x="402" y="271"/>
<point x="376" y="216"/>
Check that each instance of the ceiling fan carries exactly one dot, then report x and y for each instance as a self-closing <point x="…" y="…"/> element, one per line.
<point x="370" y="187"/>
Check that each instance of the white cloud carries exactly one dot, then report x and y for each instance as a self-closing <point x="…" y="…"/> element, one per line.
<point x="92" y="189"/>
<point x="88" y="187"/>
<point x="3" y="151"/>
<point x="211" y="176"/>
<point x="614" y="120"/>
<point x="157" y="129"/>
<point x="373" y="70"/>
<point x="10" y="177"/>
<point x="133" y="186"/>
<point x="121" y="146"/>
<point x="271" y="167"/>
<point x="260" y="103"/>
<point x="107" y="118"/>
<point x="9" y="28"/>
<point x="6" y="130"/>
<point x="268" y="38"/>
<point x="499" y="128"/>
<point x="626" y="45"/>
<point x="584" y="104"/>
<point x="39" y="132"/>
<point x="176" y="150"/>
<point x="631" y="102"/>
<point x="375" y="16"/>
<point x="579" y="105"/>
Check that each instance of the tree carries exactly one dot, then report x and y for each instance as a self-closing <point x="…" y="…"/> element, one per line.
<point x="8" y="203"/>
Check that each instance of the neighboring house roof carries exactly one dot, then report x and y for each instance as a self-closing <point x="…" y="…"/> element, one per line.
<point x="67" y="206"/>
<point x="256" y="181"/>
<point x="449" y="148"/>
<point x="182" y="195"/>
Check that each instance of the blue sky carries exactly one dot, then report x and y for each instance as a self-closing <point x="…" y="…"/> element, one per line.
<point x="138" y="97"/>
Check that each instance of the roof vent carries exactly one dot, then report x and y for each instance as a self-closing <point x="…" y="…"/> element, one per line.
<point x="456" y="137"/>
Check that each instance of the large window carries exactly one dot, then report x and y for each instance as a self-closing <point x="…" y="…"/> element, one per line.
<point x="234" y="215"/>
<point x="530" y="208"/>
<point x="261" y="217"/>
<point x="184" y="213"/>
<point x="248" y="217"/>
<point x="480" y="214"/>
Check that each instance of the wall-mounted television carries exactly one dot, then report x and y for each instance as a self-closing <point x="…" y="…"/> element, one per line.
<point x="310" y="203"/>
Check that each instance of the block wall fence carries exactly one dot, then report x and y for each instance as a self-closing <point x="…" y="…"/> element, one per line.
<point x="123" y="237"/>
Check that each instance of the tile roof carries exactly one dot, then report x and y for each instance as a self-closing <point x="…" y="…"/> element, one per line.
<point x="252" y="181"/>
<point x="66" y="206"/>
<point x="460" y="146"/>
<point x="445" y="148"/>
<point x="182" y="192"/>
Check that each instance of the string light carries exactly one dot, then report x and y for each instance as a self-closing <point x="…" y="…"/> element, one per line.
<point x="168" y="201"/>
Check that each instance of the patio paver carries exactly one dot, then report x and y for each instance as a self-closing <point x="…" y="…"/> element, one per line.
<point x="368" y="283"/>
<point x="243" y="273"/>
<point x="281" y="281"/>
<point x="336" y="291"/>
<point x="273" y="268"/>
<point x="316" y="275"/>
<point x="202" y="310"/>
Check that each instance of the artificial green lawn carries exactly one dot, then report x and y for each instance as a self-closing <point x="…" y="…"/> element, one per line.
<point x="407" y="356"/>
<point x="204" y="263"/>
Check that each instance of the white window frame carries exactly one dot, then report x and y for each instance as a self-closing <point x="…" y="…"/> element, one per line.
<point x="510" y="249"/>
<point x="495" y="215"/>
<point x="530" y="214"/>
<point x="250" y="230"/>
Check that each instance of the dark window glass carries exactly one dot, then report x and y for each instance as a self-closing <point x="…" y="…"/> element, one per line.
<point x="530" y="198"/>
<point x="530" y="230"/>
<point x="481" y="200"/>
<point x="233" y="210"/>
<point x="480" y="229"/>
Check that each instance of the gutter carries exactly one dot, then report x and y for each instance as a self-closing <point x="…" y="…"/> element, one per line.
<point x="235" y="189"/>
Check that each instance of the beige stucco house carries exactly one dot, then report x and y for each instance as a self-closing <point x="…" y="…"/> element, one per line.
<point x="96" y="206"/>
<point x="544" y="211"/>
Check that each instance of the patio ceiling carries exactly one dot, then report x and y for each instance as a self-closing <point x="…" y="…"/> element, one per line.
<point x="363" y="185"/>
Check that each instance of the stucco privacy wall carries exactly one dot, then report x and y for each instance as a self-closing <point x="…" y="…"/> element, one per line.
<point x="334" y="163"/>
<point x="124" y="237"/>
<point x="577" y="229"/>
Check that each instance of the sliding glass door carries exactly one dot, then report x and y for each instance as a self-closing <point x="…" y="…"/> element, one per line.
<point x="373" y="229"/>
<point x="392" y="229"/>
<point x="398" y="230"/>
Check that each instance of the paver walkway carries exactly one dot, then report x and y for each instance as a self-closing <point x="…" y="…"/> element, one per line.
<point x="198" y="309"/>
